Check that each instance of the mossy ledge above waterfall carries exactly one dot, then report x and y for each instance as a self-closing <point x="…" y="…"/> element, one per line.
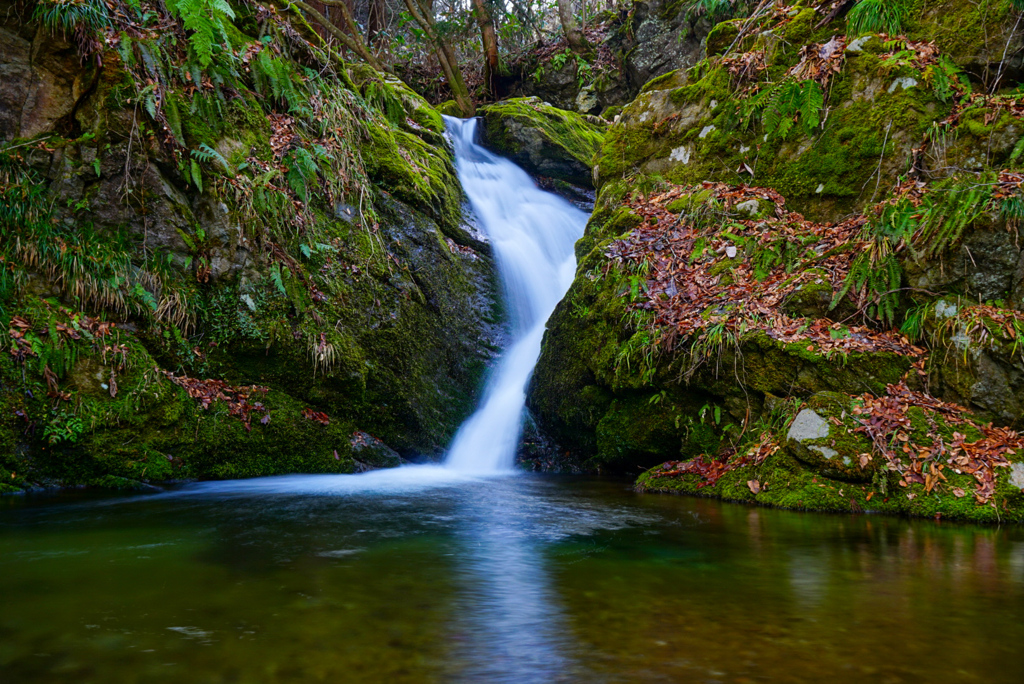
<point x="221" y="261"/>
<point x="807" y="229"/>
<point x="544" y="140"/>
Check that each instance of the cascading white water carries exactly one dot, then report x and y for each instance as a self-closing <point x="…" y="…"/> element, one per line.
<point x="532" y="234"/>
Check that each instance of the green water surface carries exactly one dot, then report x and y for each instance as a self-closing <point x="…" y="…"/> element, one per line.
<point x="422" y="577"/>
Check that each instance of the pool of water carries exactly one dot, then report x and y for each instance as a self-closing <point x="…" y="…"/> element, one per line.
<point x="423" y="576"/>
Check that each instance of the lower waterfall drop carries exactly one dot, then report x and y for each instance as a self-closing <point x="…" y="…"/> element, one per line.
<point x="532" y="234"/>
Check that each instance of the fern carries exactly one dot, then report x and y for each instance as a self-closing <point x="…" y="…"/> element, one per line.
<point x="942" y="76"/>
<point x="77" y="17"/>
<point x="207" y="154"/>
<point x="276" y="78"/>
<point x="205" y="18"/>
<point x="278" y="279"/>
<point x="711" y="8"/>
<point x="784" y="103"/>
<point x="876" y="276"/>
<point x="948" y="213"/>
<point x="302" y="172"/>
<point x="877" y="16"/>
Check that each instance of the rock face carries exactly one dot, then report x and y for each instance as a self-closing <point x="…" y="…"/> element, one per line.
<point x="800" y="285"/>
<point x="41" y="79"/>
<point x="651" y="38"/>
<point x="225" y="287"/>
<point x="544" y="140"/>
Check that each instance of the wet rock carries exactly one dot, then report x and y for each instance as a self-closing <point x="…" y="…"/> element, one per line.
<point x="544" y="140"/>
<point x="834" y="451"/>
<point x="370" y="453"/>
<point x="41" y="79"/>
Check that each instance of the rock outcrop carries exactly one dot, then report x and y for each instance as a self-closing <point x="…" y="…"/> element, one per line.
<point x="544" y="140"/>
<point x="230" y="280"/>
<point x="807" y="229"/>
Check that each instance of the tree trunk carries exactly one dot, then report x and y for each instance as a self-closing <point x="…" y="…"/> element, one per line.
<point x="376" y="21"/>
<point x="353" y="42"/>
<point x="445" y="55"/>
<point x="569" y="27"/>
<point x="492" y="66"/>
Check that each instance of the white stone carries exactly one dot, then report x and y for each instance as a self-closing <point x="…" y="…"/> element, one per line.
<point x="680" y="154"/>
<point x="904" y="81"/>
<point x="806" y="426"/>
<point x="858" y="45"/>
<point x="821" y="188"/>
<point x="945" y="309"/>
<point x="824" y="451"/>
<point x="750" y="207"/>
<point x="961" y="340"/>
<point x="1017" y="475"/>
<point x="706" y="131"/>
<point x="714" y="103"/>
<point x="730" y="251"/>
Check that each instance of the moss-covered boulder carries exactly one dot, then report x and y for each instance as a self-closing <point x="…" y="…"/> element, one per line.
<point x="901" y="453"/>
<point x="774" y="233"/>
<point x="544" y="140"/>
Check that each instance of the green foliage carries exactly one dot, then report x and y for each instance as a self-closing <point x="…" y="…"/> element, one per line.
<point x="877" y="16"/>
<point x="72" y="16"/>
<point x="875" y="275"/>
<point x="942" y="76"/>
<point x="302" y="170"/>
<point x="914" y="321"/>
<point x="782" y="104"/>
<point x="709" y="8"/>
<point x="277" y="78"/>
<point x="386" y="101"/>
<point x="63" y="426"/>
<point x="277" y="275"/>
<point x="948" y="212"/>
<point x="927" y="231"/>
<point x="207" y="154"/>
<point x="206" y="19"/>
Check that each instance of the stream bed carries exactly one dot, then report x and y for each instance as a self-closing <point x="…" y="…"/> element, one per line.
<point x="425" y="575"/>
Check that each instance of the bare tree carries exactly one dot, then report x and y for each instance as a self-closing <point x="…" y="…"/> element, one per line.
<point x="424" y="16"/>
<point x="573" y="36"/>
<point x="492" y="64"/>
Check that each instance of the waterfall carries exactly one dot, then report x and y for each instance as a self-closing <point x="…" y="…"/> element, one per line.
<point x="532" y="234"/>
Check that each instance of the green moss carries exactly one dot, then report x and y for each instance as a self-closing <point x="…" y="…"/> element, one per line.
<point x="963" y="29"/>
<point x="568" y="139"/>
<point x="698" y="134"/>
<point x="416" y="173"/>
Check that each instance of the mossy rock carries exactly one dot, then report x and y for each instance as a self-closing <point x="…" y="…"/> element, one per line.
<point x="691" y="131"/>
<point x="450" y="108"/>
<point x="834" y="451"/>
<point x="543" y="139"/>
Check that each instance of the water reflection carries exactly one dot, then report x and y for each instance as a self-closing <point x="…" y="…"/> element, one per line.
<point x="515" y="579"/>
<point x="509" y="626"/>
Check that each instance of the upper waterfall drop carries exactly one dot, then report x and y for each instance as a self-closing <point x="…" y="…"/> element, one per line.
<point x="532" y="234"/>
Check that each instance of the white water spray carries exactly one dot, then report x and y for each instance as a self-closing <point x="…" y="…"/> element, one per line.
<point x="532" y="234"/>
